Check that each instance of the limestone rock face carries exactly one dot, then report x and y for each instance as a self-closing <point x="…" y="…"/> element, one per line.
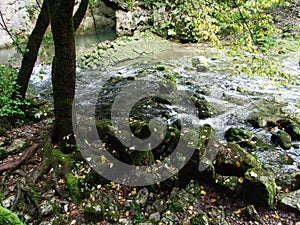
<point x="128" y="22"/>
<point x="18" y="16"/>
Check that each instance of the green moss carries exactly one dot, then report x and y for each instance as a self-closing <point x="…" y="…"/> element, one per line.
<point x="283" y="139"/>
<point x="73" y="186"/>
<point x="7" y="217"/>
<point x="259" y="186"/>
<point x="200" y="219"/>
<point x="142" y="158"/>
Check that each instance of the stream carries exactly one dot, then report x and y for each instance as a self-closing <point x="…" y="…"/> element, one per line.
<point x="221" y="90"/>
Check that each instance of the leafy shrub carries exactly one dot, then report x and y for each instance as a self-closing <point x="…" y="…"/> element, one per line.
<point x="8" y="106"/>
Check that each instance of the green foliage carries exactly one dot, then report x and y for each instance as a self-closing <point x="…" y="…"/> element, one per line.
<point x="8" y="217"/>
<point x="208" y="20"/>
<point x="246" y="22"/>
<point x="8" y="106"/>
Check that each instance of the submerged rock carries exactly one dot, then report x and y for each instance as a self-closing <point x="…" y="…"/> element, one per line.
<point x="200" y="64"/>
<point x="259" y="186"/>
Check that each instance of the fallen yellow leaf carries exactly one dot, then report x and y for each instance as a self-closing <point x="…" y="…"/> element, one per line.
<point x="241" y="180"/>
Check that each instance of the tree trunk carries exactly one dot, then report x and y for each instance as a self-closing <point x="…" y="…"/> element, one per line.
<point x="35" y="41"/>
<point x="33" y="46"/>
<point x="63" y="72"/>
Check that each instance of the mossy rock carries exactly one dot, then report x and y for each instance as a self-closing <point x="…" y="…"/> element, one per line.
<point x="141" y="158"/>
<point x="282" y="139"/>
<point x="73" y="187"/>
<point x="200" y="219"/>
<point x="290" y="201"/>
<point x="291" y="127"/>
<point x="288" y="179"/>
<point x="243" y="137"/>
<point x="180" y="200"/>
<point x="168" y="84"/>
<point x="232" y="160"/>
<point x="7" y="217"/>
<point x="204" y="108"/>
<point x="259" y="186"/>
<point x="200" y="166"/>
<point x="103" y="209"/>
<point x="230" y="183"/>
<point x="256" y="121"/>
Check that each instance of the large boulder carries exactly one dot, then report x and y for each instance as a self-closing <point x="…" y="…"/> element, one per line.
<point x="232" y="160"/>
<point x="259" y="186"/>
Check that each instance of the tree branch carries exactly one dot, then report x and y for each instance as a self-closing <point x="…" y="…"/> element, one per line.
<point x="78" y="16"/>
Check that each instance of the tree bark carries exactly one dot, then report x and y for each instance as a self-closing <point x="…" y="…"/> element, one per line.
<point x="63" y="72"/>
<point x="35" y="41"/>
<point x="33" y="46"/>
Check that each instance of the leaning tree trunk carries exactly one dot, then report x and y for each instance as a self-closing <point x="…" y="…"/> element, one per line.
<point x="33" y="46"/>
<point x="63" y="72"/>
<point x="35" y="41"/>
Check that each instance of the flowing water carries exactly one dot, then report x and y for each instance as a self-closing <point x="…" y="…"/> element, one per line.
<point x="221" y="90"/>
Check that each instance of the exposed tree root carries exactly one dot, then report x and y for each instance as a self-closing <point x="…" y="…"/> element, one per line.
<point x="15" y="163"/>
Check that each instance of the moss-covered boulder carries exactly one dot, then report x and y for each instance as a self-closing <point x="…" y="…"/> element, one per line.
<point x="241" y="136"/>
<point x="259" y="186"/>
<point x="200" y="166"/>
<point x="180" y="200"/>
<point x="232" y="160"/>
<point x="282" y="139"/>
<point x="7" y="217"/>
<point x="291" y="127"/>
